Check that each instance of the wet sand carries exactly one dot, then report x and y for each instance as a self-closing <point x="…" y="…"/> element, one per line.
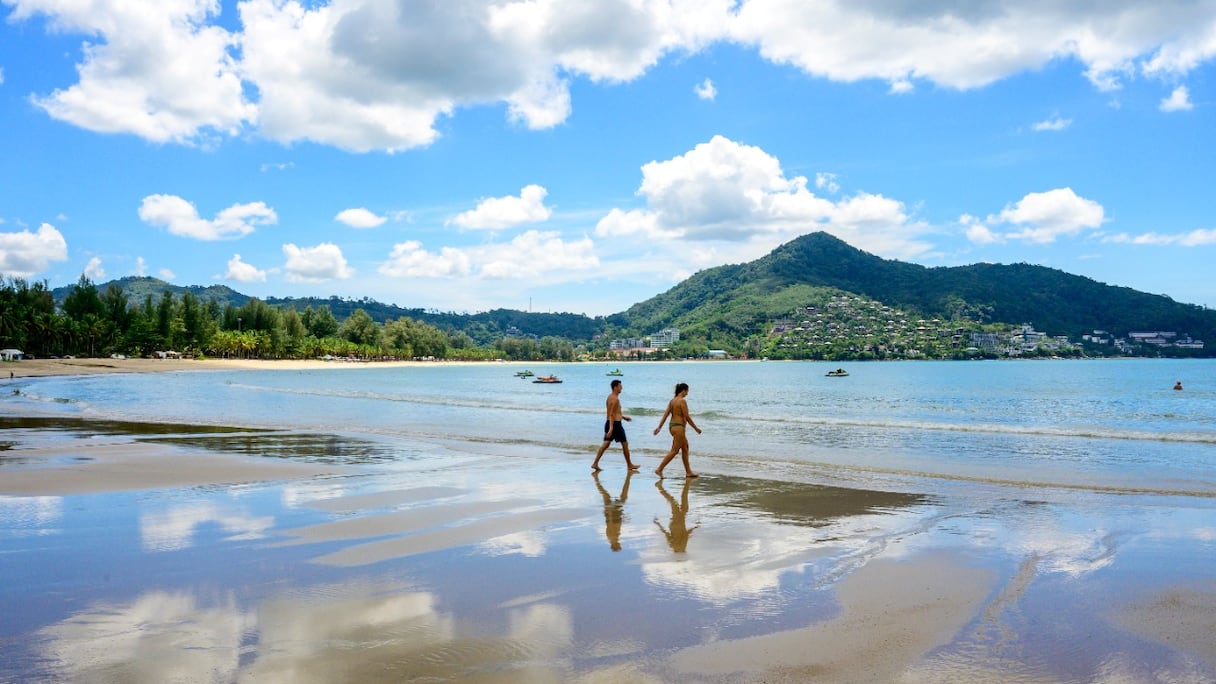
<point x="141" y="553"/>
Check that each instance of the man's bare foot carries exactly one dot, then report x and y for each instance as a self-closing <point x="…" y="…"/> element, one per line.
<point x="595" y="468"/>
<point x="659" y="473"/>
<point x="691" y="475"/>
<point x="634" y="467"/>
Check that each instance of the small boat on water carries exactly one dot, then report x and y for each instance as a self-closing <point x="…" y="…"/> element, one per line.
<point x="524" y="374"/>
<point x="616" y="372"/>
<point x="547" y="380"/>
<point x="838" y="373"/>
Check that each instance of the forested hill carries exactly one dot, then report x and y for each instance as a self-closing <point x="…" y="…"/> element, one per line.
<point x="483" y="327"/>
<point x="727" y="300"/>
<point x="724" y="306"/>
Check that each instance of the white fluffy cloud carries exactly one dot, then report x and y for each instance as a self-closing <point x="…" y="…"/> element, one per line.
<point x="968" y="45"/>
<point x="535" y="253"/>
<point x="528" y="255"/>
<point x="159" y="70"/>
<point x="722" y="191"/>
<point x="24" y="254"/>
<point x="705" y="90"/>
<point x="378" y="74"/>
<point x="505" y="212"/>
<point x="242" y="272"/>
<point x="180" y="217"/>
<point x="360" y="218"/>
<point x="93" y="270"/>
<point x="1039" y="218"/>
<point x="410" y="260"/>
<point x="314" y="264"/>
<point x="1178" y="101"/>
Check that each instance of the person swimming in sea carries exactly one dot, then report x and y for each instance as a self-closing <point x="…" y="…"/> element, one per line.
<point x="677" y="409"/>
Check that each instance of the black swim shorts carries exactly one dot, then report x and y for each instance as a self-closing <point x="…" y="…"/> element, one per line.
<point x="618" y="432"/>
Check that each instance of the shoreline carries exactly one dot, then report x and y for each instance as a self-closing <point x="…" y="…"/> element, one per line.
<point x="176" y="548"/>
<point x="35" y="368"/>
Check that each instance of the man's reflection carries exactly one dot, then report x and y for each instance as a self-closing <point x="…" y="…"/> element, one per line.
<point x="677" y="531"/>
<point x="614" y="510"/>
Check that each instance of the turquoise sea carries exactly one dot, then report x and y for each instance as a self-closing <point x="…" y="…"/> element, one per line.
<point x="1004" y="521"/>
<point x="1109" y="425"/>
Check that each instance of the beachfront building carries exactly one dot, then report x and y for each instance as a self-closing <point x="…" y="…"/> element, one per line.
<point x="665" y="338"/>
<point x="11" y="355"/>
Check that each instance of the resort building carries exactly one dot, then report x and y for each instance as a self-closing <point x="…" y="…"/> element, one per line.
<point x="665" y="337"/>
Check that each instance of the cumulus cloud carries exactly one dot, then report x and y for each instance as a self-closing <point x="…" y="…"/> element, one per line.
<point x="530" y="254"/>
<point x="1178" y="101"/>
<point x="1039" y="218"/>
<point x="162" y="71"/>
<point x="726" y="192"/>
<point x="359" y="218"/>
<point x="141" y="267"/>
<point x="242" y="272"/>
<point x="24" y="254"/>
<point x="93" y="270"/>
<point x="505" y="212"/>
<point x="315" y="264"/>
<point x="410" y="260"/>
<point x="166" y="274"/>
<point x="180" y="217"/>
<point x="537" y="252"/>
<point x="705" y="90"/>
<point x="970" y="45"/>
<point x="368" y="75"/>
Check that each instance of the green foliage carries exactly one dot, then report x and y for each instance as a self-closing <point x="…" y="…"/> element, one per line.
<point x="731" y="307"/>
<point x="727" y="306"/>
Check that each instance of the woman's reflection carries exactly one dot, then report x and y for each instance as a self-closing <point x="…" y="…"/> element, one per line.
<point x="677" y="531"/>
<point x="614" y="510"/>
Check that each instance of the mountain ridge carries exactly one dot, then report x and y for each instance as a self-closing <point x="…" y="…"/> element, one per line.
<point x="727" y="304"/>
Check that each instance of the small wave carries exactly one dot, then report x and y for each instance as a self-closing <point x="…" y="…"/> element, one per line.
<point x="1083" y="432"/>
<point x="426" y="400"/>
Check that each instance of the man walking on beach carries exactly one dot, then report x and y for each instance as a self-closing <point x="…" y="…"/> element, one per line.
<point x="614" y="428"/>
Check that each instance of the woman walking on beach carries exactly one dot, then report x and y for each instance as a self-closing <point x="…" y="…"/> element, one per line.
<point x="677" y="409"/>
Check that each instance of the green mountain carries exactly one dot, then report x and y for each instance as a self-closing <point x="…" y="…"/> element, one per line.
<point x="137" y="289"/>
<point x="736" y="301"/>
<point x="483" y="327"/>
<point x="727" y="306"/>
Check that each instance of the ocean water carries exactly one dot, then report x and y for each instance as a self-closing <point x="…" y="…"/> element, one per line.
<point x="1093" y="425"/>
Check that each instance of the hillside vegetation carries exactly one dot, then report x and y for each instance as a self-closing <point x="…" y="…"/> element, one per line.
<point x="745" y="309"/>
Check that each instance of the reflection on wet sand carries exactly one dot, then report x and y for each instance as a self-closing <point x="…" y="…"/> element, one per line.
<point x="677" y="530"/>
<point x="337" y="633"/>
<point x="614" y="510"/>
<point x="753" y="532"/>
<point x="806" y="504"/>
<point x="475" y="568"/>
<point x="309" y="447"/>
<point x="87" y="427"/>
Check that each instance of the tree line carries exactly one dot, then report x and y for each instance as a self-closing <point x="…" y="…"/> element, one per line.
<point x="94" y="323"/>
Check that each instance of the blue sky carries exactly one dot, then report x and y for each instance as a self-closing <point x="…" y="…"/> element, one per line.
<point x="584" y="155"/>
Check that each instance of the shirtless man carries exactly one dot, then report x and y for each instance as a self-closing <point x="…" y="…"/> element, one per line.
<point x="614" y="429"/>
<point x="677" y="408"/>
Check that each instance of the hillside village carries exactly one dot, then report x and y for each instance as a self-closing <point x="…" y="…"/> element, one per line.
<point x="863" y="327"/>
<point x="855" y="327"/>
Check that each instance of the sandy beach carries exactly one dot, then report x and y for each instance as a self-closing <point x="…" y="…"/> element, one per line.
<point x="136" y="553"/>
<point x="33" y="368"/>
